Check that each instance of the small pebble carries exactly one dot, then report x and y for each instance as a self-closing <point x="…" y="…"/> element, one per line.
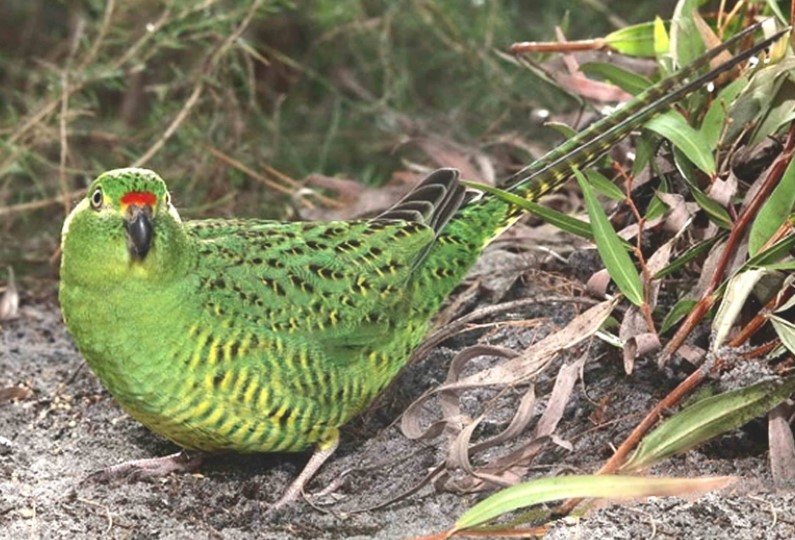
<point x="27" y="513"/>
<point x="6" y="446"/>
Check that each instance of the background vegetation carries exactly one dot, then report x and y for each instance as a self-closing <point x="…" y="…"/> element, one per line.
<point x="220" y="96"/>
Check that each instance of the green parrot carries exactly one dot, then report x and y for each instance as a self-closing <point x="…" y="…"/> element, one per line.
<point x="246" y="335"/>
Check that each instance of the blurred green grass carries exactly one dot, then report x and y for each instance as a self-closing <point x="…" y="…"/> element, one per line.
<point x="315" y="86"/>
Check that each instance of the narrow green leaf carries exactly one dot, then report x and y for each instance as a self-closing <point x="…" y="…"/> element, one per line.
<point x="709" y="418"/>
<point x="677" y="313"/>
<point x="715" y="120"/>
<point x="673" y="126"/>
<point x="717" y="213"/>
<point x="774" y="212"/>
<point x="714" y="210"/>
<point x="645" y="153"/>
<point x="636" y="40"/>
<point x="655" y="209"/>
<point x="773" y="7"/>
<point x="688" y="256"/>
<point x="685" y="38"/>
<point x="753" y="104"/>
<point x="773" y="254"/>
<point x="564" y="129"/>
<point x="603" y="185"/>
<point x="738" y="288"/>
<point x="610" y="246"/>
<point x="662" y="47"/>
<point x="580" y="486"/>
<point x="562" y="221"/>
<point x="785" y="331"/>
<point x="626" y="80"/>
<point x="782" y="266"/>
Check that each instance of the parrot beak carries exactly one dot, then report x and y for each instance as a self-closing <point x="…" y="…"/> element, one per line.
<point x="138" y="224"/>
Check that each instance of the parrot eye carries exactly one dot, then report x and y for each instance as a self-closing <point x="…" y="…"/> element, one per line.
<point x="168" y="198"/>
<point x="96" y="199"/>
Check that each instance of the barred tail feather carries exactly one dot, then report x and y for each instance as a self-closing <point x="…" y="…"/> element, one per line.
<point x="480" y="221"/>
<point x="554" y="168"/>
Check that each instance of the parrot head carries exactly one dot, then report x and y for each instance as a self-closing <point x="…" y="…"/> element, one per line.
<point x="125" y="226"/>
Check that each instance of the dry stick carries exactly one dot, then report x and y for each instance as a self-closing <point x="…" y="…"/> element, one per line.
<point x="209" y="66"/>
<point x="294" y="186"/>
<point x="761" y="350"/>
<point x="172" y="128"/>
<point x="37" y="205"/>
<point x="103" y="31"/>
<point x="64" y="142"/>
<point x="709" y="297"/>
<point x="62" y="128"/>
<point x="645" y="308"/>
<point x="761" y="318"/>
<point x="229" y="160"/>
<point x="527" y="47"/>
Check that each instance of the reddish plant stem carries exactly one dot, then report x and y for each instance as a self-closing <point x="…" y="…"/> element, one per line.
<point x="762" y="350"/>
<point x="761" y="318"/>
<point x="737" y="233"/>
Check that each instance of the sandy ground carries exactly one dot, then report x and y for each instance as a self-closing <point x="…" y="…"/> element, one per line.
<point x="68" y="426"/>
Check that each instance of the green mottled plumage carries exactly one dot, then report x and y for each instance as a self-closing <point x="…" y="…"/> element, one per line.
<point x="257" y="336"/>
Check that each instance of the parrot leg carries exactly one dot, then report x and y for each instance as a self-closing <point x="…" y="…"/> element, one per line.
<point x="324" y="451"/>
<point x="151" y="467"/>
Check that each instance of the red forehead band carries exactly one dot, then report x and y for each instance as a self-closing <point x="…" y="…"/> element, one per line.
<point x="140" y="198"/>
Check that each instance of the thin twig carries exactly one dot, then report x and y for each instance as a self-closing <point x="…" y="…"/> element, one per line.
<point x="91" y="54"/>
<point x="295" y="186"/>
<point x="38" y="205"/>
<point x="645" y="307"/>
<point x="172" y="128"/>
<point x="208" y="68"/>
<point x="102" y="506"/>
<point x="66" y="201"/>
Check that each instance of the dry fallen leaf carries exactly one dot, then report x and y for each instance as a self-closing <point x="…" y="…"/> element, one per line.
<point x="15" y="392"/>
<point x="9" y="302"/>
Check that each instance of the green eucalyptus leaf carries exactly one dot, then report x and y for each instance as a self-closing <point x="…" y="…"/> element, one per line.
<point x="714" y="123"/>
<point x="708" y="418"/>
<point x="785" y="331"/>
<point x="738" y="288"/>
<point x="689" y="255"/>
<point x="662" y="47"/>
<point x="562" y="221"/>
<point x="603" y="185"/>
<point x="626" y="80"/>
<point x="635" y="40"/>
<point x="693" y="144"/>
<point x="610" y="246"/>
<point x="774" y="212"/>
<point x="545" y="490"/>
<point x="686" y="42"/>
<point x="677" y="313"/>
<point x="564" y="129"/>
